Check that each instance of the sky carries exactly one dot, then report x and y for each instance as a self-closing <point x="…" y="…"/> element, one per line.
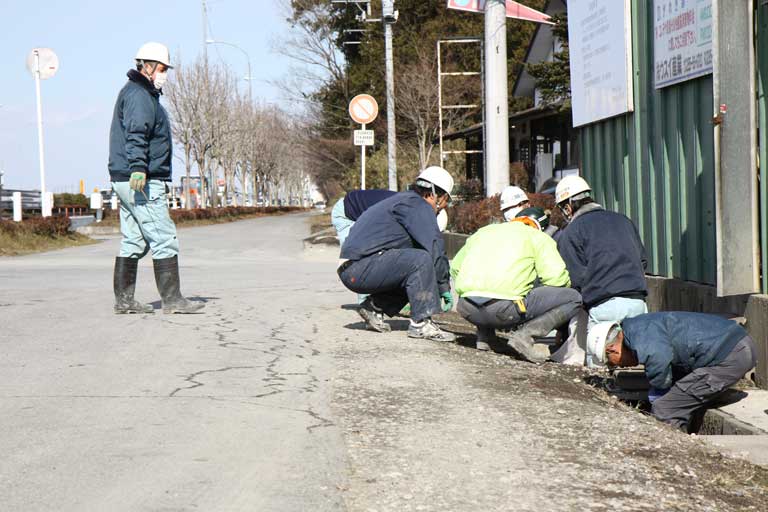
<point x="96" y="41"/>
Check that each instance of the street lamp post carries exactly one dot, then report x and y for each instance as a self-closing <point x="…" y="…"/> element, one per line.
<point x="247" y="57"/>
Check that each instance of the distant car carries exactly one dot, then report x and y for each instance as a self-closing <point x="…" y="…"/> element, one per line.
<point x="320" y="205"/>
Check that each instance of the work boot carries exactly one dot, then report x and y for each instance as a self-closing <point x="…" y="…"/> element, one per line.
<point x="521" y="341"/>
<point x="427" y="330"/>
<point x="372" y="316"/>
<point x="487" y="340"/>
<point x="124" y="283"/>
<point x="167" y="279"/>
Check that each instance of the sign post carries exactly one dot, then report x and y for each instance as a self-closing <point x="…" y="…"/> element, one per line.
<point x="43" y="64"/>
<point x="363" y="109"/>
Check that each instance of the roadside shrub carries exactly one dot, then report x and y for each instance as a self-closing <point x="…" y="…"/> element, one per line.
<point x="70" y="200"/>
<point x="49" y="226"/>
<point x="469" y="216"/>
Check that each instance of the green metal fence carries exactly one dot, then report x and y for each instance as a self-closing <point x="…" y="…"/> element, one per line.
<point x="762" y="111"/>
<point x="656" y="164"/>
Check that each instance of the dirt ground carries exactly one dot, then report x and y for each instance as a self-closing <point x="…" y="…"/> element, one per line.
<point x="433" y="426"/>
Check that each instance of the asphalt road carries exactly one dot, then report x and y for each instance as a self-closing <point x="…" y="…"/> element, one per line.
<point x="274" y="399"/>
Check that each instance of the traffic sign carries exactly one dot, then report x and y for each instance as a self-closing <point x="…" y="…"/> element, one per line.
<point x="47" y="60"/>
<point x="363" y="137"/>
<point x="363" y="109"/>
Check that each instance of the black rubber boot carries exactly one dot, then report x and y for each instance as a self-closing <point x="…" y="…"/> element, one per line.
<point x="124" y="283"/>
<point x="521" y="341"/>
<point x="167" y="279"/>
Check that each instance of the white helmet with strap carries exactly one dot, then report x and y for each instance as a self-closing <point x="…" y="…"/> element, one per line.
<point x="155" y="52"/>
<point x="512" y="196"/>
<point x="570" y="187"/>
<point x="598" y="338"/>
<point x="436" y="176"/>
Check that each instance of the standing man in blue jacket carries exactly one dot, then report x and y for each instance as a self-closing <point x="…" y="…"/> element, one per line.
<point x="395" y="253"/>
<point x="604" y="256"/>
<point x="140" y="152"/>
<point x="689" y="358"/>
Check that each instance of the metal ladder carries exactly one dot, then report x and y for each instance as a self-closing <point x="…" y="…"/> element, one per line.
<point x="440" y="75"/>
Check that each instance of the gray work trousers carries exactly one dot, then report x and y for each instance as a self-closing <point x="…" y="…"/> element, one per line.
<point x="503" y="314"/>
<point x="702" y="386"/>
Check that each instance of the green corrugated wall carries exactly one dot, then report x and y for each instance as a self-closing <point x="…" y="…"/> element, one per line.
<point x="762" y="110"/>
<point x="656" y="164"/>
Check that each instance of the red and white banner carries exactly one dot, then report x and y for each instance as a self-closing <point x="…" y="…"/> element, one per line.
<point x="515" y="10"/>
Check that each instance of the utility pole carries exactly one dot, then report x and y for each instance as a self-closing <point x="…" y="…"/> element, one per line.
<point x="205" y="34"/>
<point x="389" y="17"/>
<point x="496" y="106"/>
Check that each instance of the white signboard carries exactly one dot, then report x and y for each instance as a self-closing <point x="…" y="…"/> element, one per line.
<point x="599" y="34"/>
<point x="363" y="137"/>
<point x="682" y="40"/>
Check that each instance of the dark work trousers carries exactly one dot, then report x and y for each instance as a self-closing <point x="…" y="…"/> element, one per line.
<point x="702" y="386"/>
<point x="503" y="314"/>
<point x="393" y="278"/>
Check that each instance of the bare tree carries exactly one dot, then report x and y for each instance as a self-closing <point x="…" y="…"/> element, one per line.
<point x="418" y="105"/>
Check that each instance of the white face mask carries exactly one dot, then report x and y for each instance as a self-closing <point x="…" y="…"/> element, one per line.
<point x="512" y="213"/>
<point x="160" y="79"/>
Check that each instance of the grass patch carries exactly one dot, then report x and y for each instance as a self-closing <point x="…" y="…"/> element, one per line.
<point x="16" y="244"/>
<point x="319" y="223"/>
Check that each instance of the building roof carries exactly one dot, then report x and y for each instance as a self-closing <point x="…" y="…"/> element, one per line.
<point x="538" y="50"/>
<point x="514" y="117"/>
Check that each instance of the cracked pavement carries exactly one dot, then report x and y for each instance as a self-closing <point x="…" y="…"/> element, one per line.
<point x="274" y="399"/>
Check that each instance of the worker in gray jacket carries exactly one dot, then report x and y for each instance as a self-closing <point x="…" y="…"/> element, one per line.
<point x="140" y="153"/>
<point x="689" y="358"/>
<point x="395" y="253"/>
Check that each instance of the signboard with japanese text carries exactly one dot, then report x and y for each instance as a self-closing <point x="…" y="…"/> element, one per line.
<point x="682" y="40"/>
<point x="364" y="138"/>
<point x="601" y="59"/>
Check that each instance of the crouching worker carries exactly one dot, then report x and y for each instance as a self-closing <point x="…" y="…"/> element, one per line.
<point x="494" y="275"/>
<point x="689" y="358"/>
<point x="395" y="254"/>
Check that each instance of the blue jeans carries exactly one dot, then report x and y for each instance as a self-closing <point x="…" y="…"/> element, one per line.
<point x="145" y="222"/>
<point x="340" y="221"/>
<point x="616" y="310"/>
<point x="394" y="278"/>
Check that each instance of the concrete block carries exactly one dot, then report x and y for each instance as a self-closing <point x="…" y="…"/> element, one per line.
<point x="757" y="325"/>
<point x="752" y="448"/>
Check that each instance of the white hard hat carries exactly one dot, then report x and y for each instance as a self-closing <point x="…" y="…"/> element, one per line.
<point x="569" y="187"/>
<point x="442" y="220"/>
<point x="512" y="196"/>
<point x="156" y="52"/>
<point x="597" y="339"/>
<point x="438" y="177"/>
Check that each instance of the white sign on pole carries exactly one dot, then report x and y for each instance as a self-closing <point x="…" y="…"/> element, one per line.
<point x="599" y="34"/>
<point x="682" y="41"/>
<point x="49" y="62"/>
<point x="363" y="109"/>
<point x="16" y="206"/>
<point x="363" y="137"/>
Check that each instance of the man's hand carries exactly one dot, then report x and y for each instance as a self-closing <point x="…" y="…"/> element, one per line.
<point x="447" y="301"/>
<point x="138" y="180"/>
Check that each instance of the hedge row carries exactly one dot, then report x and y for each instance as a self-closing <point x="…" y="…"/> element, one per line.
<point x="49" y="226"/>
<point x="228" y="212"/>
<point x="469" y="216"/>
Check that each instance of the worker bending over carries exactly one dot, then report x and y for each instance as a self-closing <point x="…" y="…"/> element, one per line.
<point x="689" y="358"/>
<point x="494" y="275"/>
<point x="604" y="255"/>
<point x="395" y="253"/>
